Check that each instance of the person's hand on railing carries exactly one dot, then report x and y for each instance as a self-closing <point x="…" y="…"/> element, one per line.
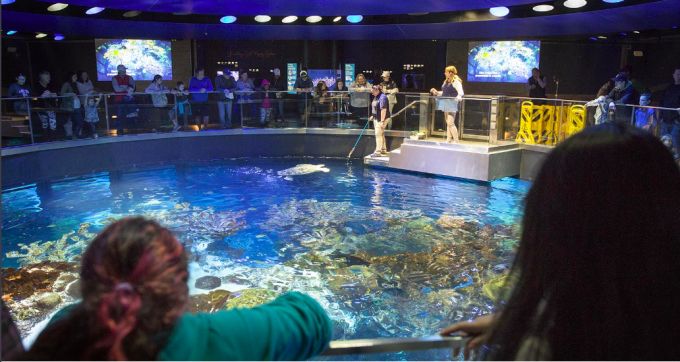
<point x="479" y="331"/>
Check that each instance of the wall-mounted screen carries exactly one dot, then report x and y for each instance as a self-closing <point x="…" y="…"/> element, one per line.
<point x="502" y="61"/>
<point x="142" y="58"/>
<point x="326" y="75"/>
<point x="350" y="69"/>
<point x="291" y="76"/>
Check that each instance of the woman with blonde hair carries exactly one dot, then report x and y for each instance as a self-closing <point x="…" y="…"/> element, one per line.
<point x="452" y="91"/>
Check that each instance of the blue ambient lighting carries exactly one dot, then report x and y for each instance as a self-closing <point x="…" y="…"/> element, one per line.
<point x="58" y="37"/>
<point x="354" y="18"/>
<point x="228" y="19"/>
<point x="11" y="32"/>
<point x="7" y="2"/>
<point x="94" y="10"/>
<point x="613" y="1"/>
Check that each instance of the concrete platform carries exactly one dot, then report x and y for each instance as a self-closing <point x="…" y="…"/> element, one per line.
<point x="470" y="160"/>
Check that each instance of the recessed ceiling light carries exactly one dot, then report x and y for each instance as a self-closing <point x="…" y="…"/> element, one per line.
<point x="543" y="8"/>
<point x="314" y="19"/>
<point x="337" y="18"/>
<point x="289" y="19"/>
<point x="227" y="19"/>
<point x="131" y="13"/>
<point x="613" y="1"/>
<point x="40" y="35"/>
<point x="354" y="19"/>
<point x="575" y="4"/>
<point x="58" y="37"/>
<point x="94" y="10"/>
<point x="11" y="32"/>
<point x="263" y="18"/>
<point x="57" y="7"/>
<point x="499" y="11"/>
<point x="593" y="38"/>
<point x="7" y="2"/>
<point x="636" y="32"/>
<point x="601" y="37"/>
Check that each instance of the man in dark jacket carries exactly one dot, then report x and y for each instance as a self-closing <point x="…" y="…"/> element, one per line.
<point x="670" y="120"/>
<point x="278" y="84"/>
<point x="225" y="85"/>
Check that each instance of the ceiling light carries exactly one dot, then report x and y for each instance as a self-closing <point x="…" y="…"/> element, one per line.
<point x="543" y="8"/>
<point x="11" y="32"/>
<point x="337" y="18"/>
<point x="289" y="19"/>
<point x="263" y="18"/>
<point x="7" y="2"/>
<point x="58" y="37"/>
<point x="613" y="1"/>
<point x="94" y="10"/>
<point x="499" y="11"/>
<point x="57" y="7"/>
<point x="636" y="32"/>
<point x="227" y="19"/>
<point x="601" y="37"/>
<point x="40" y="35"/>
<point x="593" y="38"/>
<point x="131" y="13"/>
<point x="354" y="19"/>
<point x="314" y="19"/>
<point x="575" y="4"/>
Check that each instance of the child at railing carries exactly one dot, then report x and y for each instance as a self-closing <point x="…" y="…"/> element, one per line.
<point x="182" y="102"/>
<point x="645" y="118"/>
<point x="92" y="114"/>
<point x="266" y="106"/>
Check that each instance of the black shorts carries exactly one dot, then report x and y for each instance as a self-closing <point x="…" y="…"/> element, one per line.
<point x="200" y="109"/>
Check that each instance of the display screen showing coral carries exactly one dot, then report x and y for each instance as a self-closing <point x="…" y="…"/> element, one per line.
<point x="143" y="58"/>
<point x="502" y="61"/>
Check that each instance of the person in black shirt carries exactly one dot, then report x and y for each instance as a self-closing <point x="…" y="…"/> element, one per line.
<point x="536" y="84"/>
<point x="48" y="103"/>
<point x="278" y="84"/>
<point x="389" y="88"/>
<point x="304" y="88"/>
<point x="670" y="120"/>
<point x="225" y="85"/>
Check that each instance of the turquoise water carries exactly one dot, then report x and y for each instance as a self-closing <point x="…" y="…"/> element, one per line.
<point x="387" y="254"/>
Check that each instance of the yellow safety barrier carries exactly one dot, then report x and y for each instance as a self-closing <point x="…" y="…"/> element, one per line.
<point x="577" y="120"/>
<point x="530" y="123"/>
<point x="549" y="124"/>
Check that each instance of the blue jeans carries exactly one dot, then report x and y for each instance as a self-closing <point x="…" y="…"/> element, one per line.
<point x="224" y="108"/>
<point x="672" y="129"/>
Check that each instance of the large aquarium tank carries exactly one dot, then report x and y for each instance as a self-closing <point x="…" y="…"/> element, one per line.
<point x="387" y="254"/>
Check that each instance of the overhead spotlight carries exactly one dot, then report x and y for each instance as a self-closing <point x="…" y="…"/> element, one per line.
<point x="11" y="32"/>
<point x="601" y="37"/>
<point x="613" y="1"/>
<point x="314" y="19"/>
<point x="131" y="13"/>
<point x="227" y="19"/>
<point x="57" y="7"/>
<point x="543" y="8"/>
<point x="636" y="32"/>
<point x="337" y="18"/>
<point x="289" y="19"/>
<point x="58" y="37"/>
<point x="575" y="4"/>
<point x="263" y="18"/>
<point x="7" y="2"/>
<point x="40" y="35"/>
<point x="94" y="10"/>
<point x="593" y="38"/>
<point x="499" y="11"/>
<point x="354" y="19"/>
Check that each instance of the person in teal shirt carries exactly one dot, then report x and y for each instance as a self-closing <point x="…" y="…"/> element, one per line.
<point x="133" y="281"/>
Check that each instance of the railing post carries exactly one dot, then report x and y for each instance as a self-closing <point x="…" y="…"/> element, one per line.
<point x="632" y="116"/>
<point x="106" y="113"/>
<point x="30" y="119"/>
<point x="493" y="120"/>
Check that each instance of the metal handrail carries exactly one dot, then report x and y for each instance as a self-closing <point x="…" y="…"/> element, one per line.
<point x="386" y="345"/>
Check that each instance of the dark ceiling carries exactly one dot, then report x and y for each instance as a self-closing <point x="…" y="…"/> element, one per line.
<point x="437" y="19"/>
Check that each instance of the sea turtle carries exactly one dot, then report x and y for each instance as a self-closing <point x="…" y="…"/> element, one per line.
<point x="301" y="169"/>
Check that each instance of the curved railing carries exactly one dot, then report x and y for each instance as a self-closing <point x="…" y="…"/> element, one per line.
<point x="387" y="345"/>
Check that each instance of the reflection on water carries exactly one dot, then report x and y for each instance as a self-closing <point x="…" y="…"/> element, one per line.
<point x="387" y="254"/>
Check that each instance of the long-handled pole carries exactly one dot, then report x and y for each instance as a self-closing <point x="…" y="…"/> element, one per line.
<point x="358" y="138"/>
<point x="369" y="119"/>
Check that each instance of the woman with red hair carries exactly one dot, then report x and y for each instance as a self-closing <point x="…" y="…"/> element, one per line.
<point x="134" y="286"/>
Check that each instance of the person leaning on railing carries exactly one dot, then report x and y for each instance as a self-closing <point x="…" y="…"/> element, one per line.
<point x="20" y="89"/>
<point x="595" y="274"/>
<point x="134" y="307"/>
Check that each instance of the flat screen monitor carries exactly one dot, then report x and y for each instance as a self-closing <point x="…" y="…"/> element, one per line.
<point x="412" y="81"/>
<point x="502" y="61"/>
<point x="142" y="58"/>
<point x="326" y="75"/>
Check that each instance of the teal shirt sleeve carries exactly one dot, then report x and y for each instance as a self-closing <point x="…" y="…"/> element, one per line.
<point x="292" y="327"/>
